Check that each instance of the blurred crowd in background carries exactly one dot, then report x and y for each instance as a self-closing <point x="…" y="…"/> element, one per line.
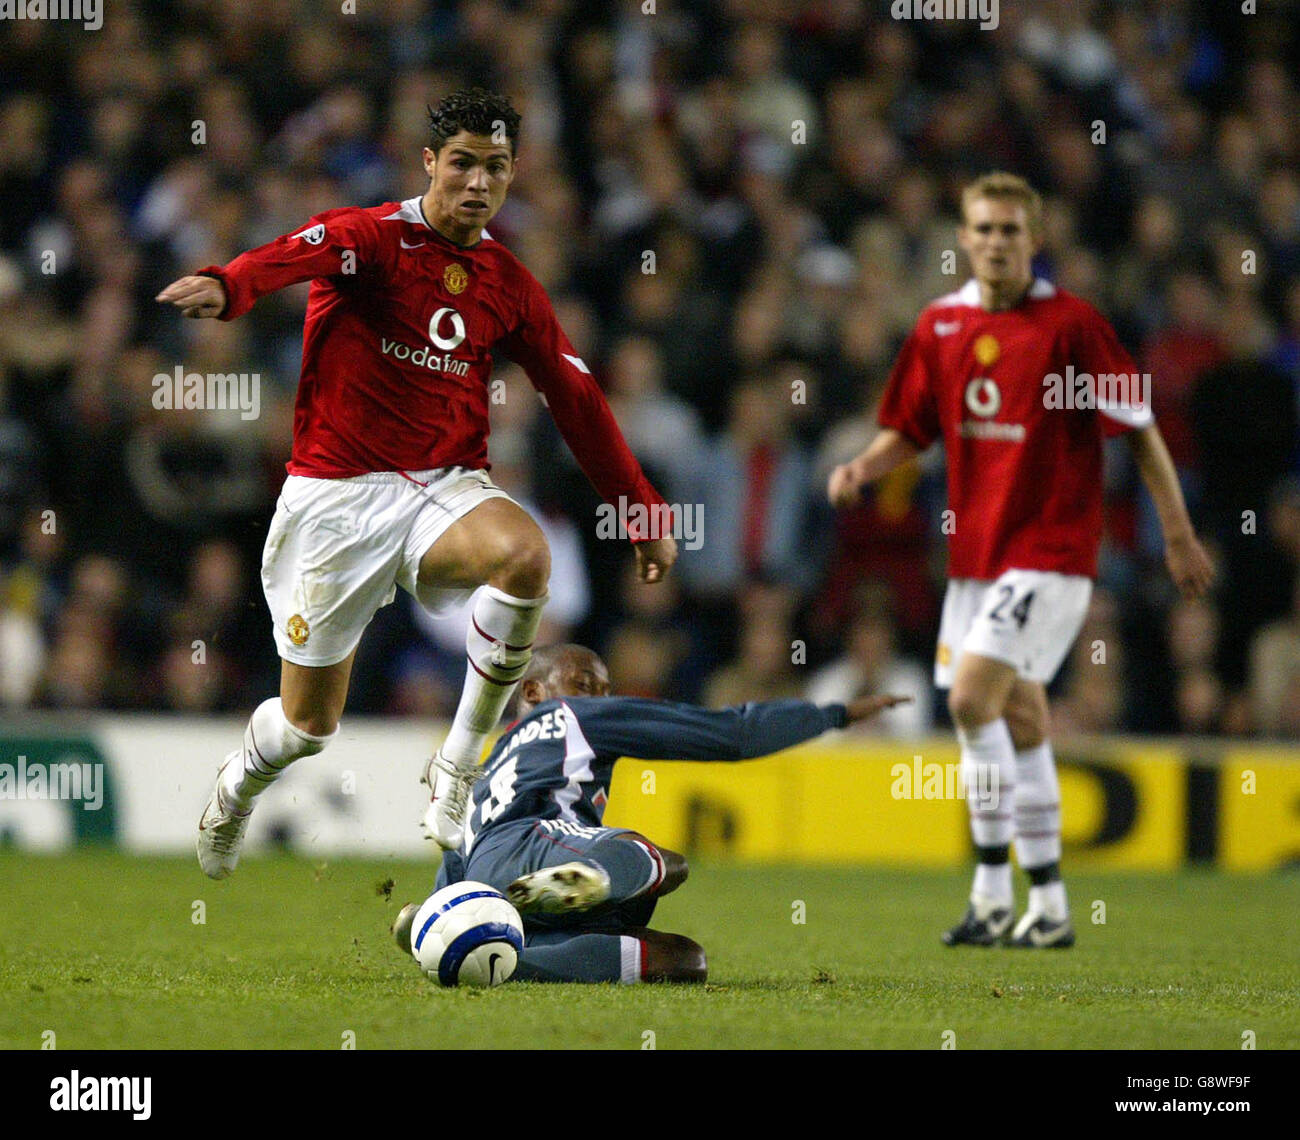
<point x="739" y="208"/>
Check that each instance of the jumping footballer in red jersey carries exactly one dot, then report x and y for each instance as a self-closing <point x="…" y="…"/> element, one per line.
<point x="387" y="482"/>
<point x="1022" y="382"/>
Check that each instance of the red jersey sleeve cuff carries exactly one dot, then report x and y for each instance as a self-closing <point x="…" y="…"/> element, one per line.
<point x="649" y="522"/>
<point x="646" y="516"/>
<point x="229" y="313"/>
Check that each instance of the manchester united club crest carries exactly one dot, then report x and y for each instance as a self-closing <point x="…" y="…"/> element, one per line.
<point x="987" y="350"/>
<point x="455" y="277"/>
<point x="298" y="630"/>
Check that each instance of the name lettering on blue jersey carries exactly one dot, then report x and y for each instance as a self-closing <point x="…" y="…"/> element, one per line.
<point x="565" y="827"/>
<point x="548" y="726"/>
<point x="553" y="768"/>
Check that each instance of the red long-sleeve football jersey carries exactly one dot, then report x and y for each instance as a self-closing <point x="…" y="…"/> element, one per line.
<point x="396" y="358"/>
<point x="1023" y="399"/>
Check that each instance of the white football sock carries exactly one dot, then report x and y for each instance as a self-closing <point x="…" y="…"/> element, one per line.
<point x="1049" y="899"/>
<point x="629" y="954"/>
<point x="499" y="645"/>
<point x="992" y="886"/>
<point x="988" y="766"/>
<point x="271" y="744"/>
<point x="1037" y="807"/>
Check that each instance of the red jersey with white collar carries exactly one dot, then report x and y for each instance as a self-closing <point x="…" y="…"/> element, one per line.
<point x="1022" y="399"/>
<point x="396" y="358"/>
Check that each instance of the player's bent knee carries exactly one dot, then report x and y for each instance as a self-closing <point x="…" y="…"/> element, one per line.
<point x="526" y="569"/>
<point x="969" y="708"/>
<point x="1028" y="717"/>
<point x="310" y="719"/>
<point x="676" y="870"/>
<point x="312" y="697"/>
<point x="1027" y="730"/>
<point x="517" y="561"/>
<point x="316" y="726"/>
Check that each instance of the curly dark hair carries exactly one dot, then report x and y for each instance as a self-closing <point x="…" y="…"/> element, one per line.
<point x="475" y="110"/>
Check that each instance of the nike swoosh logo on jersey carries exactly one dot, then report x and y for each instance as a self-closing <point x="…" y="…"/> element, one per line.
<point x="946" y="328"/>
<point x="417" y="245"/>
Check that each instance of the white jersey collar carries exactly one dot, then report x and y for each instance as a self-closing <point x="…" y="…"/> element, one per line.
<point x="409" y="211"/>
<point x="969" y="294"/>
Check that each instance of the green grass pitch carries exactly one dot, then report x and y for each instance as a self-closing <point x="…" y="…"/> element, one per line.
<point x="101" y="948"/>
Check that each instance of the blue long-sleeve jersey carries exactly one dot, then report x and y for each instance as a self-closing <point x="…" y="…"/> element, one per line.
<point x="556" y="762"/>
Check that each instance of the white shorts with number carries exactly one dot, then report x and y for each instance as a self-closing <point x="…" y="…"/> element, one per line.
<point x="1027" y="618"/>
<point x="339" y="548"/>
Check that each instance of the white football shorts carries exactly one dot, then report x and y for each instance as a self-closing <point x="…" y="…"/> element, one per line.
<point x="1027" y="618"/>
<point x="338" y="549"/>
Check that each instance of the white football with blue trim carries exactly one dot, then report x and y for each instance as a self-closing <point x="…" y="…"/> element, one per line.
<point x="467" y="934"/>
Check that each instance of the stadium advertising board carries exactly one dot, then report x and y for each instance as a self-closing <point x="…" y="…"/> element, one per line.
<point x="1128" y="803"/>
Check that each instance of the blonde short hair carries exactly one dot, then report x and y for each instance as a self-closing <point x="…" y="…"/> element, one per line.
<point x="1000" y="184"/>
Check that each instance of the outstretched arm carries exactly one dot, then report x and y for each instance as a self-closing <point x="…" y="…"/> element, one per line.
<point x="195" y="296"/>
<point x="888" y="450"/>
<point x="1189" y="565"/>
<point x="908" y="418"/>
<point x="338" y="243"/>
<point x="664" y="730"/>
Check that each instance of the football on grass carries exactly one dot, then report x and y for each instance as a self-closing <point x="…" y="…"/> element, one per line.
<point x="467" y="934"/>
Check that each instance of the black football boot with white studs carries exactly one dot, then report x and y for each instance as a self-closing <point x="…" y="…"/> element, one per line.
<point x="1037" y="931"/>
<point x="981" y="925"/>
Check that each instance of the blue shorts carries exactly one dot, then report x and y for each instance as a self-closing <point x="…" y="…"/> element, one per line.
<point x="512" y="850"/>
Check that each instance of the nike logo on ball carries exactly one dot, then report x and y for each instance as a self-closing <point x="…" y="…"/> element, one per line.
<point x="492" y="968"/>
